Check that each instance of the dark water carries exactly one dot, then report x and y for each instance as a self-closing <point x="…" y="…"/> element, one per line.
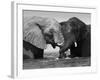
<point x="53" y="63"/>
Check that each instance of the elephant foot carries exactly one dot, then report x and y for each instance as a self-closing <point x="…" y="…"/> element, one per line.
<point x="26" y="57"/>
<point x="38" y="56"/>
<point x="71" y="56"/>
<point x="74" y="56"/>
<point x="62" y="55"/>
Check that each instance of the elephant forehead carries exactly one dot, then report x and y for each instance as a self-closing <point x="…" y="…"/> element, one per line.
<point x="46" y="22"/>
<point x="66" y="28"/>
<point x="52" y="24"/>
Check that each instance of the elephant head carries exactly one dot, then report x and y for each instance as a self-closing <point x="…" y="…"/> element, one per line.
<point x="74" y="31"/>
<point x="40" y="31"/>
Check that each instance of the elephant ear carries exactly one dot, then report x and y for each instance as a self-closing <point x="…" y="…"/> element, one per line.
<point x="33" y="34"/>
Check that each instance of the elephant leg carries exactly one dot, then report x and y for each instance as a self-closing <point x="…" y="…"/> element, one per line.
<point x="76" y="51"/>
<point x="72" y="51"/>
<point x="86" y="49"/>
<point x="62" y="52"/>
<point x="64" y="48"/>
<point x="25" y="57"/>
<point x="37" y="52"/>
<point x="62" y="55"/>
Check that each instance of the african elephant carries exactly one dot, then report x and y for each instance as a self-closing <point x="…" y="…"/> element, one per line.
<point x="75" y="31"/>
<point x="38" y="32"/>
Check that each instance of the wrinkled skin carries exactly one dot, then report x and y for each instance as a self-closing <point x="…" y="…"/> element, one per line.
<point x="74" y="30"/>
<point x="38" y="32"/>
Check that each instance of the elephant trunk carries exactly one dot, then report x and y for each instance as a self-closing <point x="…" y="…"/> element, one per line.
<point x="67" y="43"/>
<point x="58" y="38"/>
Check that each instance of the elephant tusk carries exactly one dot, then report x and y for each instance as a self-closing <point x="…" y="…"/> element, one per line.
<point x="75" y="44"/>
<point x="60" y="44"/>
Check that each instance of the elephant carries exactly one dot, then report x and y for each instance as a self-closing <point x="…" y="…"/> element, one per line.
<point x="77" y="38"/>
<point x="38" y="32"/>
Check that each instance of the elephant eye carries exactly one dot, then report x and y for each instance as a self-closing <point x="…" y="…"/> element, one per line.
<point x="51" y="31"/>
<point x="48" y="37"/>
